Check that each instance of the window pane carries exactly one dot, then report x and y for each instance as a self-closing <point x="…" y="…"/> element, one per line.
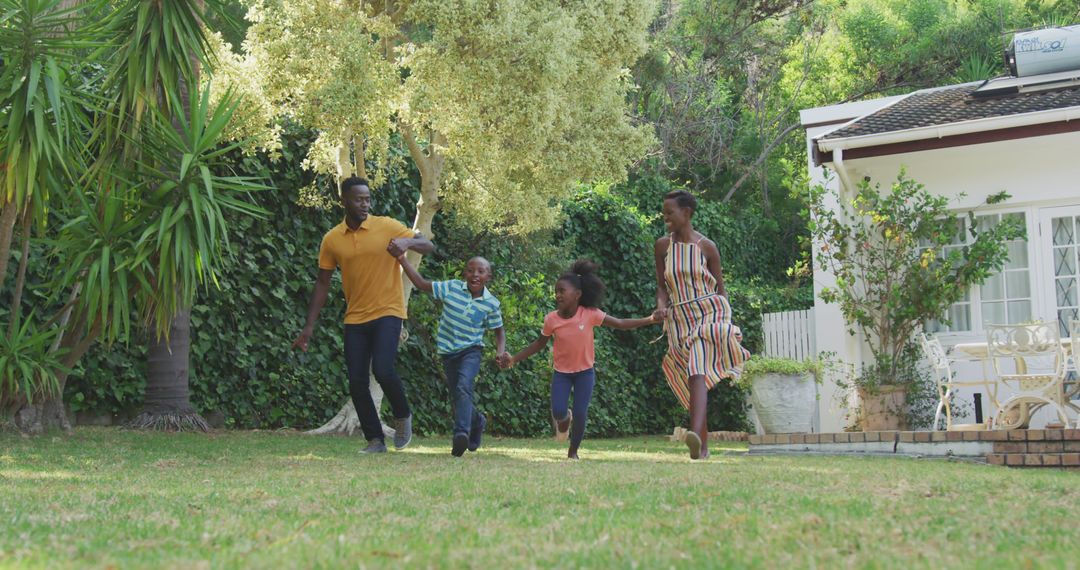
<point x="993" y="314"/>
<point x="986" y="222"/>
<point x="1017" y="285"/>
<point x="1018" y="217"/>
<point x="960" y="315"/>
<point x="1066" y="291"/>
<point x="1019" y="312"/>
<point x="1018" y="255"/>
<point x="1064" y="261"/>
<point x="1064" y="317"/>
<point x="993" y="289"/>
<point x="1062" y="229"/>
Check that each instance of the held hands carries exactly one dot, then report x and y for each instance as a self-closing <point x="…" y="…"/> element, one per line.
<point x="660" y="314"/>
<point x="504" y="360"/>
<point x="398" y="246"/>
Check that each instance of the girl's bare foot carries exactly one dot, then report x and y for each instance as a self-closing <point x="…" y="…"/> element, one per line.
<point x="562" y="427"/>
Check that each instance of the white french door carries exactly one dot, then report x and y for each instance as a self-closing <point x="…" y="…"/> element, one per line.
<point x="1059" y="272"/>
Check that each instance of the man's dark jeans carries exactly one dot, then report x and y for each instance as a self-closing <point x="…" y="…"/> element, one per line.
<point x="373" y="346"/>
<point x="461" y="369"/>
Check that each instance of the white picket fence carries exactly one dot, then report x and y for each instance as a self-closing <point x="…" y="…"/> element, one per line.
<point x="789" y="334"/>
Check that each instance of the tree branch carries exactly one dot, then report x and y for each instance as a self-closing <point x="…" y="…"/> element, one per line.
<point x="764" y="154"/>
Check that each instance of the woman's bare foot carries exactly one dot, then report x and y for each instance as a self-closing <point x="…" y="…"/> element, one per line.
<point x="693" y="441"/>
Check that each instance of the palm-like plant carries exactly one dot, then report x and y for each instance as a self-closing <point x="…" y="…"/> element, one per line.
<point x="126" y="153"/>
<point x="158" y="122"/>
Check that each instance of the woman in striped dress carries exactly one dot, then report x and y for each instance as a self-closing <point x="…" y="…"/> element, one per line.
<point x="703" y="346"/>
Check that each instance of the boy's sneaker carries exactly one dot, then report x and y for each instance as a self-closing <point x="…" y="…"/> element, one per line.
<point x="477" y="433"/>
<point x="374" y="446"/>
<point x="402" y="432"/>
<point x="461" y="441"/>
<point x="562" y="427"/>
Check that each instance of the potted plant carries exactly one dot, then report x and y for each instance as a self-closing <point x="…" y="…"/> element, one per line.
<point x="782" y="392"/>
<point x="900" y="259"/>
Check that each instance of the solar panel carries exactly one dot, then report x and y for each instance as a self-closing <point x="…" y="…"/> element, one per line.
<point x="1007" y="85"/>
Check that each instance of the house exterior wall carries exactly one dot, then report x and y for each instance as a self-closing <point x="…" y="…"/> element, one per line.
<point x="1040" y="173"/>
<point x="829" y="326"/>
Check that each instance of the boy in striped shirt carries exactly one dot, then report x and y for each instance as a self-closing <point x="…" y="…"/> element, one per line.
<point x="468" y="311"/>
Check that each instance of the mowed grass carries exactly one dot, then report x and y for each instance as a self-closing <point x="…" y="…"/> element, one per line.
<point x="110" y="498"/>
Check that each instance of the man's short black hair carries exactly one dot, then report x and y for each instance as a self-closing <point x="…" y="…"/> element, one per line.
<point x="353" y="181"/>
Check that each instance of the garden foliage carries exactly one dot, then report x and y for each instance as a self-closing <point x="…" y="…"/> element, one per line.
<point x="243" y="366"/>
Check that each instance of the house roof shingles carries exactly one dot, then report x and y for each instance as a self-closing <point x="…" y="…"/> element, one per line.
<point x="953" y="105"/>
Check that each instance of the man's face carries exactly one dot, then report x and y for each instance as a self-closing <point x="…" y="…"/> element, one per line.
<point x="357" y="202"/>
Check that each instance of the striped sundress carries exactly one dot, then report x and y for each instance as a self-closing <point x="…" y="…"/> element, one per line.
<point x="701" y="338"/>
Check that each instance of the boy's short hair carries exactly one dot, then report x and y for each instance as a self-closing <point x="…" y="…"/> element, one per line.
<point x="352" y="181"/>
<point x="491" y="268"/>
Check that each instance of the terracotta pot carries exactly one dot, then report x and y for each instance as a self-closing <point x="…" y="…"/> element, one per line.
<point x="883" y="409"/>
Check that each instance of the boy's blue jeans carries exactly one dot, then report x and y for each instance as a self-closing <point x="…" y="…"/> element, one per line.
<point x="461" y="369"/>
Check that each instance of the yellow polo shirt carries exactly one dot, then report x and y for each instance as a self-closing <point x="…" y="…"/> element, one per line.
<point x="370" y="277"/>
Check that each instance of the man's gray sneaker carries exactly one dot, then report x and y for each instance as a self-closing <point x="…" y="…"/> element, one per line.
<point x="374" y="446"/>
<point x="402" y="432"/>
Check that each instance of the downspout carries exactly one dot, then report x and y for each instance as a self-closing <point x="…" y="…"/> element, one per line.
<point x="845" y="186"/>
<point x="841" y="171"/>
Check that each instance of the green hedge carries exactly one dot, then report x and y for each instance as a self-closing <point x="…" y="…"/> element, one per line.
<point x="243" y="366"/>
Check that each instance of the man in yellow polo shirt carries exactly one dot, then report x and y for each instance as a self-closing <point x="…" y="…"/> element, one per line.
<point x="365" y="248"/>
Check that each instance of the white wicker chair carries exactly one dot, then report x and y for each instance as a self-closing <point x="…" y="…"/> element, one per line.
<point x="947" y="382"/>
<point x="1036" y="372"/>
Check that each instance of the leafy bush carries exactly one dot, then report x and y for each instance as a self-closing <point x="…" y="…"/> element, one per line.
<point x="243" y="366"/>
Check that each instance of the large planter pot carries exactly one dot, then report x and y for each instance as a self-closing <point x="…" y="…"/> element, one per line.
<point x="784" y="402"/>
<point x="882" y="409"/>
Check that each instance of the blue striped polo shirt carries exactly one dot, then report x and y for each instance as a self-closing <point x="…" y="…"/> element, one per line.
<point x="464" y="319"/>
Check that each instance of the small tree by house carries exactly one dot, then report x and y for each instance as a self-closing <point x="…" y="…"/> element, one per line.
<point x="889" y="251"/>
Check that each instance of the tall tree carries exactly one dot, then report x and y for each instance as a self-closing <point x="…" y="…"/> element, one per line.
<point x="503" y="106"/>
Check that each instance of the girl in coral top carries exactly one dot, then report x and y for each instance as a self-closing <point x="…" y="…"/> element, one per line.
<point x="578" y="293"/>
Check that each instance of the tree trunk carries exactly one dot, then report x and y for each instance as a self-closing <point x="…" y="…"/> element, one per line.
<point x="48" y="412"/>
<point x="430" y="165"/>
<point x="8" y="216"/>
<point x="167" y="403"/>
<point x="45" y="414"/>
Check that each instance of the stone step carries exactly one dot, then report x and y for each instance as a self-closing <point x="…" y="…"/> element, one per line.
<point x="1058" y="460"/>
<point x="1015" y="448"/>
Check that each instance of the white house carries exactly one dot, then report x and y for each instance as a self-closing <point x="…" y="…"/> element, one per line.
<point x="1020" y="135"/>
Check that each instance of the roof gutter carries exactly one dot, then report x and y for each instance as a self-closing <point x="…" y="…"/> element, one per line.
<point x="951" y="129"/>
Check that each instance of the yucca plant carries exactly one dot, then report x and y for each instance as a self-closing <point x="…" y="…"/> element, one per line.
<point x="28" y="368"/>
<point x="107" y="131"/>
<point x="42" y="105"/>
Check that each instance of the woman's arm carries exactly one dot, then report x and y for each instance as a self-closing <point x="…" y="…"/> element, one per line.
<point x="628" y="324"/>
<point x="414" y="275"/>
<point x="712" y="258"/>
<point x="662" y="298"/>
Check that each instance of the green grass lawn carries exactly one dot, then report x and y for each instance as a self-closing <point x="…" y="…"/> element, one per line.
<point x="104" y="497"/>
